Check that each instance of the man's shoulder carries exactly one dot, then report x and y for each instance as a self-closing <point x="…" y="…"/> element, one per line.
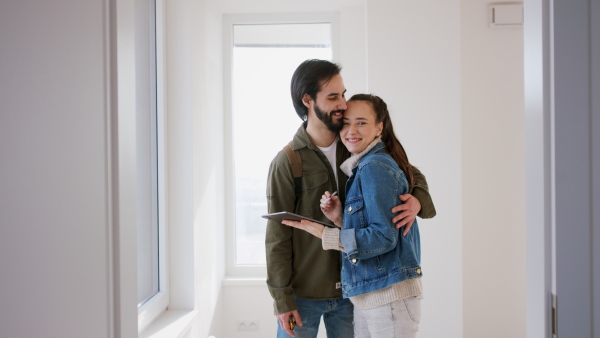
<point x="280" y="158"/>
<point x="301" y="138"/>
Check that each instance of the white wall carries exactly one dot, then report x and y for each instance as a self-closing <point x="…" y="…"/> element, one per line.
<point x="441" y="68"/>
<point x="207" y="83"/>
<point x="196" y="181"/>
<point x="60" y="223"/>
<point x="493" y="189"/>
<point x="54" y="209"/>
<point x="415" y="65"/>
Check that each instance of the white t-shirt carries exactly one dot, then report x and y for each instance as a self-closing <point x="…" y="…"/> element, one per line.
<point x="330" y="153"/>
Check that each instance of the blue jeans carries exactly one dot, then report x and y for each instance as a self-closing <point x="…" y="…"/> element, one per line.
<point x="337" y="314"/>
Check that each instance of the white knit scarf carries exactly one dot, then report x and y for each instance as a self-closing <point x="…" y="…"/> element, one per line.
<point x="353" y="160"/>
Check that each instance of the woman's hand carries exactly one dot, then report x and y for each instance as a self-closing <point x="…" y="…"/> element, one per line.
<point x="331" y="206"/>
<point x="312" y="228"/>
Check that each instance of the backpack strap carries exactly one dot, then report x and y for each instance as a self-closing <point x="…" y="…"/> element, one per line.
<point x="296" y="164"/>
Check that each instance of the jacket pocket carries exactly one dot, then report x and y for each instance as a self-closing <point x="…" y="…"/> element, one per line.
<point x="314" y="185"/>
<point x="354" y="205"/>
<point x="311" y="181"/>
<point x="354" y="210"/>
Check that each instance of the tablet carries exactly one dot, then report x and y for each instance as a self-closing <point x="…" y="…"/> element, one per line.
<point x="280" y="216"/>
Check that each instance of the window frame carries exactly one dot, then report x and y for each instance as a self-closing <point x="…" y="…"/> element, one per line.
<point x="157" y="304"/>
<point x="333" y="18"/>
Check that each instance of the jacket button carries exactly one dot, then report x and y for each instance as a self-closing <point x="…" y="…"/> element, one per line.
<point x="418" y="271"/>
<point x="349" y="208"/>
<point x="353" y="260"/>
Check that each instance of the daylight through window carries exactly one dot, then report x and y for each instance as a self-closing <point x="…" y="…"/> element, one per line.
<point x="263" y="117"/>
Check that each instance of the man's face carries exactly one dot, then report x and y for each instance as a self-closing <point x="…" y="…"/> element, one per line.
<point x="331" y="103"/>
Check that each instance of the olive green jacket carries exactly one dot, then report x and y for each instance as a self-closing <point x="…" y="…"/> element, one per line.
<point x="297" y="265"/>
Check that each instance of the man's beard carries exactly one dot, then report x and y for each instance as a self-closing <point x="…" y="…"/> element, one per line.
<point x="327" y="119"/>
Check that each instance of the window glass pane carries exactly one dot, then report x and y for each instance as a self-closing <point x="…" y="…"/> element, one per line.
<point x="147" y="159"/>
<point x="264" y="119"/>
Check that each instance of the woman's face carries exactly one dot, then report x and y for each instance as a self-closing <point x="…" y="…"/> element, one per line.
<point x="359" y="126"/>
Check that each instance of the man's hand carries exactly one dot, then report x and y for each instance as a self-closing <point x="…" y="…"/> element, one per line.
<point x="408" y="212"/>
<point x="284" y="321"/>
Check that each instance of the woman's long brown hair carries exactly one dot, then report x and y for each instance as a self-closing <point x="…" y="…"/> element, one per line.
<point x="391" y="142"/>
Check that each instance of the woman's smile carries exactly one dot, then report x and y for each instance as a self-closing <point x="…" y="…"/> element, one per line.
<point x="360" y="126"/>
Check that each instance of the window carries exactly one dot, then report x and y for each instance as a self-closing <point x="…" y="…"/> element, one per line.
<point x="264" y="55"/>
<point x="151" y="269"/>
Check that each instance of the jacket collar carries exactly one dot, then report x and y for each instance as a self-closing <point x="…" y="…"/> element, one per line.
<point x="302" y="140"/>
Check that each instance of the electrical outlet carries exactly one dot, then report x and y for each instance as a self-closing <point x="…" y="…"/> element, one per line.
<point x="242" y="326"/>
<point x="253" y="325"/>
<point x="248" y="325"/>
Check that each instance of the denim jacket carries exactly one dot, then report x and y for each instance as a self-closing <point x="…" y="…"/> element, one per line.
<point x="376" y="254"/>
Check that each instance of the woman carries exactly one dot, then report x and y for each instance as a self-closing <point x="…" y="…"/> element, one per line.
<point x="381" y="272"/>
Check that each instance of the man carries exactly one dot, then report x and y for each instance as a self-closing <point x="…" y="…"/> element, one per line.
<point x="303" y="279"/>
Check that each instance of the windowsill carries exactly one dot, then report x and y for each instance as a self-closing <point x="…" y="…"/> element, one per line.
<point x="171" y="324"/>
<point x="244" y="281"/>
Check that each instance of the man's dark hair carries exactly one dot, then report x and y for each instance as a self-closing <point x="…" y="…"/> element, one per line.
<point x="307" y="79"/>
